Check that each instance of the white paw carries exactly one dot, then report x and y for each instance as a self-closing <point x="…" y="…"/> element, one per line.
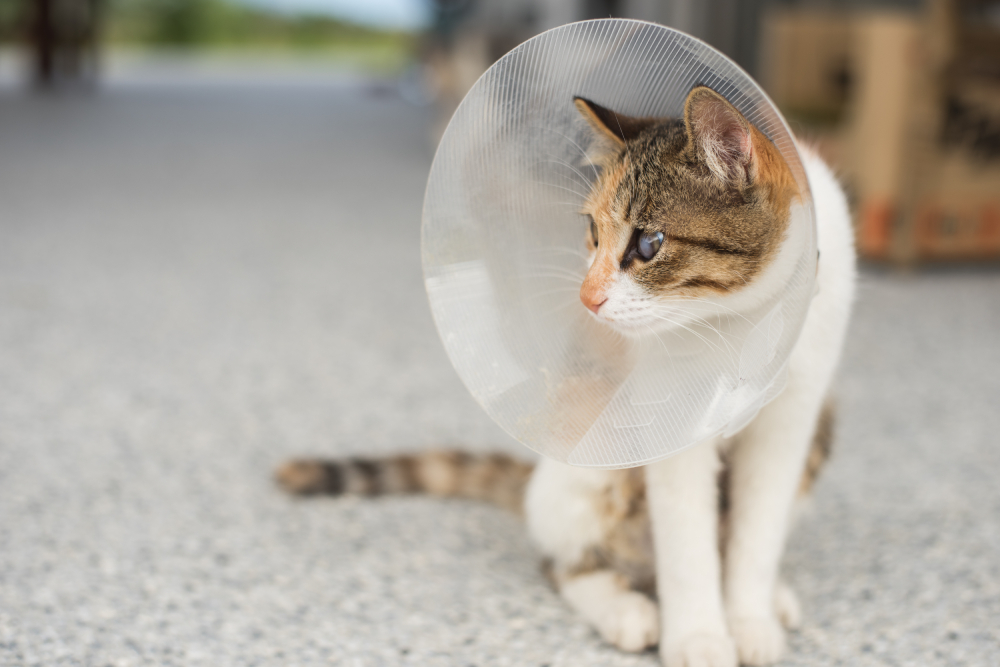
<point x="699" y="649"/>
<point x="631" y="622"/>
<point x="760" y="641"/>
<point x="786" y="606"/>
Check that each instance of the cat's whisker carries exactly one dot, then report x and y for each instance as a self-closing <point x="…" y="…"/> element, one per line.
<point x="705" y="322"/>
<point x="722" y="336"/>
<point x="695" y="333"/>
<point x="563" y="249"/>
<point x="689" y="329"/>
<point x="702" y="322"/>
<point x="582" y="152"/>
<point x="628" y="154"/>
<point x="575" y="205"/>
<point x="555" y="277"/>
<point x="561" y="307"/>
<point x="658" y="339"/>
<point x="558" y="290"/>
<point x="576" y="171"/>
<point x="562" y="270"/>
<point x="711" y="327"/>
<point x="694" y="299"/>
<point x="570" y="251"/>
<point x="582" y="195"/>
<point x="622" y="339"/>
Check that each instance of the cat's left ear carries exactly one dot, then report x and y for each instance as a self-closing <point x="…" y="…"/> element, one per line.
<point x="719" y="135"/>
<point x="611" y="126"/>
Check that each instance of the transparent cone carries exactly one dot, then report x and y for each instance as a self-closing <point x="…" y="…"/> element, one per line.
<point x="503" y="256"/>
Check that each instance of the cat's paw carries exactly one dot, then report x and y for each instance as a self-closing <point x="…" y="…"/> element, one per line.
<point x="786" y="606"/>
<point x="631" y="622"/>
<point x="699" y="649"/>
<point x="759" y="641"/>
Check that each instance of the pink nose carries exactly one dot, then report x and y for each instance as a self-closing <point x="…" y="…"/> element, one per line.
<point x="592" y="300"/>
<point x="593" y="292"/>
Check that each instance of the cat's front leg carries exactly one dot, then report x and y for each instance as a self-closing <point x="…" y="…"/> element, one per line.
<point x="568" y="512"/>
<point x="766" y="468"/>
<point x="683" y="505"/>
<point x="626" y="618"/>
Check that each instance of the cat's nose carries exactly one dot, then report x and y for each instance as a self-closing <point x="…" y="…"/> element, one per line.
<point x="593" y="299"/>
<point x="595" y="306"/>
<point x="593" y="291"/>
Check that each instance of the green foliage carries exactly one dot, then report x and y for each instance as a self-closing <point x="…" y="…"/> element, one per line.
<point x="222" y="24"/>
<point x="10" y="15"/>
<point x="186" y="22"/>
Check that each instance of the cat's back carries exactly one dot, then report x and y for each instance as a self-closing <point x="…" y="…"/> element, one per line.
<point x="835" y="232"/>
<point x="818" y="350"/>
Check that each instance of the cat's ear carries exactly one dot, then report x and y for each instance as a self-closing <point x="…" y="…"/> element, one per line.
<point x="615" y="128"/>
<point x="719" y="135"/>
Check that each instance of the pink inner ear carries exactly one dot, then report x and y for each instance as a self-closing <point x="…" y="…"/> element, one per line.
<point x="725" y="140"/>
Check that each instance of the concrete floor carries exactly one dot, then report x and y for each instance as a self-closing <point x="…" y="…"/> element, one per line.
<point x="197" y="282"/>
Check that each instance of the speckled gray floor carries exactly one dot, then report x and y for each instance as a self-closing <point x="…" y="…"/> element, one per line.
<point x="196" y="283"/>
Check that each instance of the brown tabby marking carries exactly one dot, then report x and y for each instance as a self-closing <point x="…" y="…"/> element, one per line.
<point x="713" y="184"/>
<point x="494" y="478"/>
<point x="628" y="539"/>
<point x="627" y="547"/>
<point x="821" y="448"/>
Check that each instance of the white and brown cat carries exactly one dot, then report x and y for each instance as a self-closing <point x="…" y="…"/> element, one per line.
<point x="685" y="552"/>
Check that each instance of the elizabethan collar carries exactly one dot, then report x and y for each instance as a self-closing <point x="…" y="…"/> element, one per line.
<point x="503" y="256"/>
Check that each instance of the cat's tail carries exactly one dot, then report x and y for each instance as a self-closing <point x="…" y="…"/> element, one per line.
<point x="822" y="445"/>
<point x="494" y="478"/>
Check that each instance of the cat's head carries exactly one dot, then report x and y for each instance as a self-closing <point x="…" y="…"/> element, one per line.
<point x="683" y="211"/>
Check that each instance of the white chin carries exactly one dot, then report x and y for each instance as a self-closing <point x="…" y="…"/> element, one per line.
<point x="633" y="327"/>
<point x="638" y="327"/>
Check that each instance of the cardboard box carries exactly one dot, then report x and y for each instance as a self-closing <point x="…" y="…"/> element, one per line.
<point x="805" y="61"/>
<point x="924" y="143"/>
<point x="879" y="136"/>
<point x="919" y="97"/>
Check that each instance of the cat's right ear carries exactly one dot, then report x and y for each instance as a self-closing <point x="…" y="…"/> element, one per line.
<point x="719" y="135"/>
<point x="614" y="128"/>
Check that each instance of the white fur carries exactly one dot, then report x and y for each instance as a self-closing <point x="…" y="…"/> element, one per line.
<point x="714" y="612"/>
<point x="627" y="619"/>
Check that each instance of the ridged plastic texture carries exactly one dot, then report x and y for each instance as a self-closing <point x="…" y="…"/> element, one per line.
<point x="504" y="256"/>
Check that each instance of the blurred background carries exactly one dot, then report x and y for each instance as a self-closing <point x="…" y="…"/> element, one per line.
<point x="901" y="95"/>
<point x="209" y="262"/>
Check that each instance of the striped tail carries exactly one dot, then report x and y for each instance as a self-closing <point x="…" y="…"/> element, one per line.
<point x="494" y="478"/>
<point x="822" y="445"/>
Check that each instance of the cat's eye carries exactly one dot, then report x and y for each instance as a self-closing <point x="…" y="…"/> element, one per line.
<point x="649" y="243"/>
<point x="593" y="230"/>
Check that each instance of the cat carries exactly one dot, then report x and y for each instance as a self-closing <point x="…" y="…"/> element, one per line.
<point x="685" y="552"/>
